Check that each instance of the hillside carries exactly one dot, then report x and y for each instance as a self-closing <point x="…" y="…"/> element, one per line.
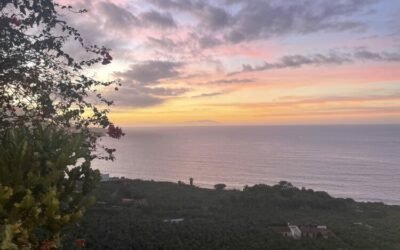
<point x="135" y="214"/>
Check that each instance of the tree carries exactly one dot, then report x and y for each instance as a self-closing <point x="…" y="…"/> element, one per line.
<point x="219" y="186"/>
<point x="39" y="80"/>
<point x="47" y="106"/>
<point x="285" y="185"/>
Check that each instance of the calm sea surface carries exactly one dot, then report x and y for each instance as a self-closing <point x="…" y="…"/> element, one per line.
<point x="360" y="162"/>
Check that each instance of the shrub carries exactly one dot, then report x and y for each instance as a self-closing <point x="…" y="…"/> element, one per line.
<point x="219" y="186"/>
<point x="46" y="182"/>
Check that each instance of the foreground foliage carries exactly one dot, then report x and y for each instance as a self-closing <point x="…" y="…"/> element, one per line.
<point x="45" y="173"/>
<point x="46" y="183"/>
<point x="229" y="219"/>
<point x="40" y="79"/>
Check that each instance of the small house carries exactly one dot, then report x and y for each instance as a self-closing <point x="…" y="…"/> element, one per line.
<point x="289" y="230"/>
<point x="316" y="231"/>
<point x="136" y="201"/>
<point x="178" y="220"/>
<point x="105" y="177"/>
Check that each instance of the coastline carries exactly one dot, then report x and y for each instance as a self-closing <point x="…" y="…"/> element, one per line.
<point x="210" y="186"/>
<point x="148" y="215"/>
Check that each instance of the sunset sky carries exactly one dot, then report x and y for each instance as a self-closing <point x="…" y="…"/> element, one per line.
<point x="248" y="61"/>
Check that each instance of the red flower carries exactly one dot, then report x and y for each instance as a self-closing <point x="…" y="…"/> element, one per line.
<point x="80" y="243"/>
<point x="46" y="245"/>
<point x="15" y="21"/>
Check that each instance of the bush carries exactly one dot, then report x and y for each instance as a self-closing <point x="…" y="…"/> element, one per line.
<point x="46" y="183"/>
<point x="219" y="186"/>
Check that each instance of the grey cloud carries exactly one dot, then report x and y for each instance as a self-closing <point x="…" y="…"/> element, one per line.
<point x="317" y="59"/>
<point x="161" y="91"/>
<point x="96" y="26"/>
<point x="131" y="97"/>
<point x="207" y="94"/>
<point x="183" y="5"/>
<point x="158" y="19"/>
<point x="163" y="43"/>
<point x="219" y="23"/>
<point x="117" y="17"/>
<point x="231" y="81"/>
<point x="138" y="101"/>
<point x="138" y="96"/>
<point x="211" y="16"/>
<point x="168" y="46"/>
<point x="208" y="42"/>
<point x="375" y="56"/>
<point x="215" y="18"/>
<point x="151" y="71"/>
<point x="334" y="58"/>
<point x="232" y="1"/>
<point x="190" y="76"/>
<point x="136" y="91"/>
<point x="261" y="19"/>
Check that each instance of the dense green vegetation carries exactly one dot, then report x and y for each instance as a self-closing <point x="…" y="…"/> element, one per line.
<point x="130" y="214"/>
<point x="46" y="182"/>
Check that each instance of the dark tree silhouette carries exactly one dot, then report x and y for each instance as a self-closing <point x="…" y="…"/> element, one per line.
<point x="41" y="82"/>
<point x="219" y="186"/>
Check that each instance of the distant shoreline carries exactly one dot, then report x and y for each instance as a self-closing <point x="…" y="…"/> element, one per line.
<point x="216" y="124"/>
<point x="209" y="187"/>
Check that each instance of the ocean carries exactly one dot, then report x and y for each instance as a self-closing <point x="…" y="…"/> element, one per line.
<point x="350" y="161"/>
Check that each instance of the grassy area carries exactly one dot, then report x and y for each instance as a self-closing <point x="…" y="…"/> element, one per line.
<point x="135" y="214"/>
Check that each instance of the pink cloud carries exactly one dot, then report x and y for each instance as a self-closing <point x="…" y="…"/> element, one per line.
<point x="251" y="50"/>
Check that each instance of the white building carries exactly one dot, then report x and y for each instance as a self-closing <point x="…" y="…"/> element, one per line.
<point x="295" y="231"/>
<point x="178" y="220"/>
<point x="105" y="177"/>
